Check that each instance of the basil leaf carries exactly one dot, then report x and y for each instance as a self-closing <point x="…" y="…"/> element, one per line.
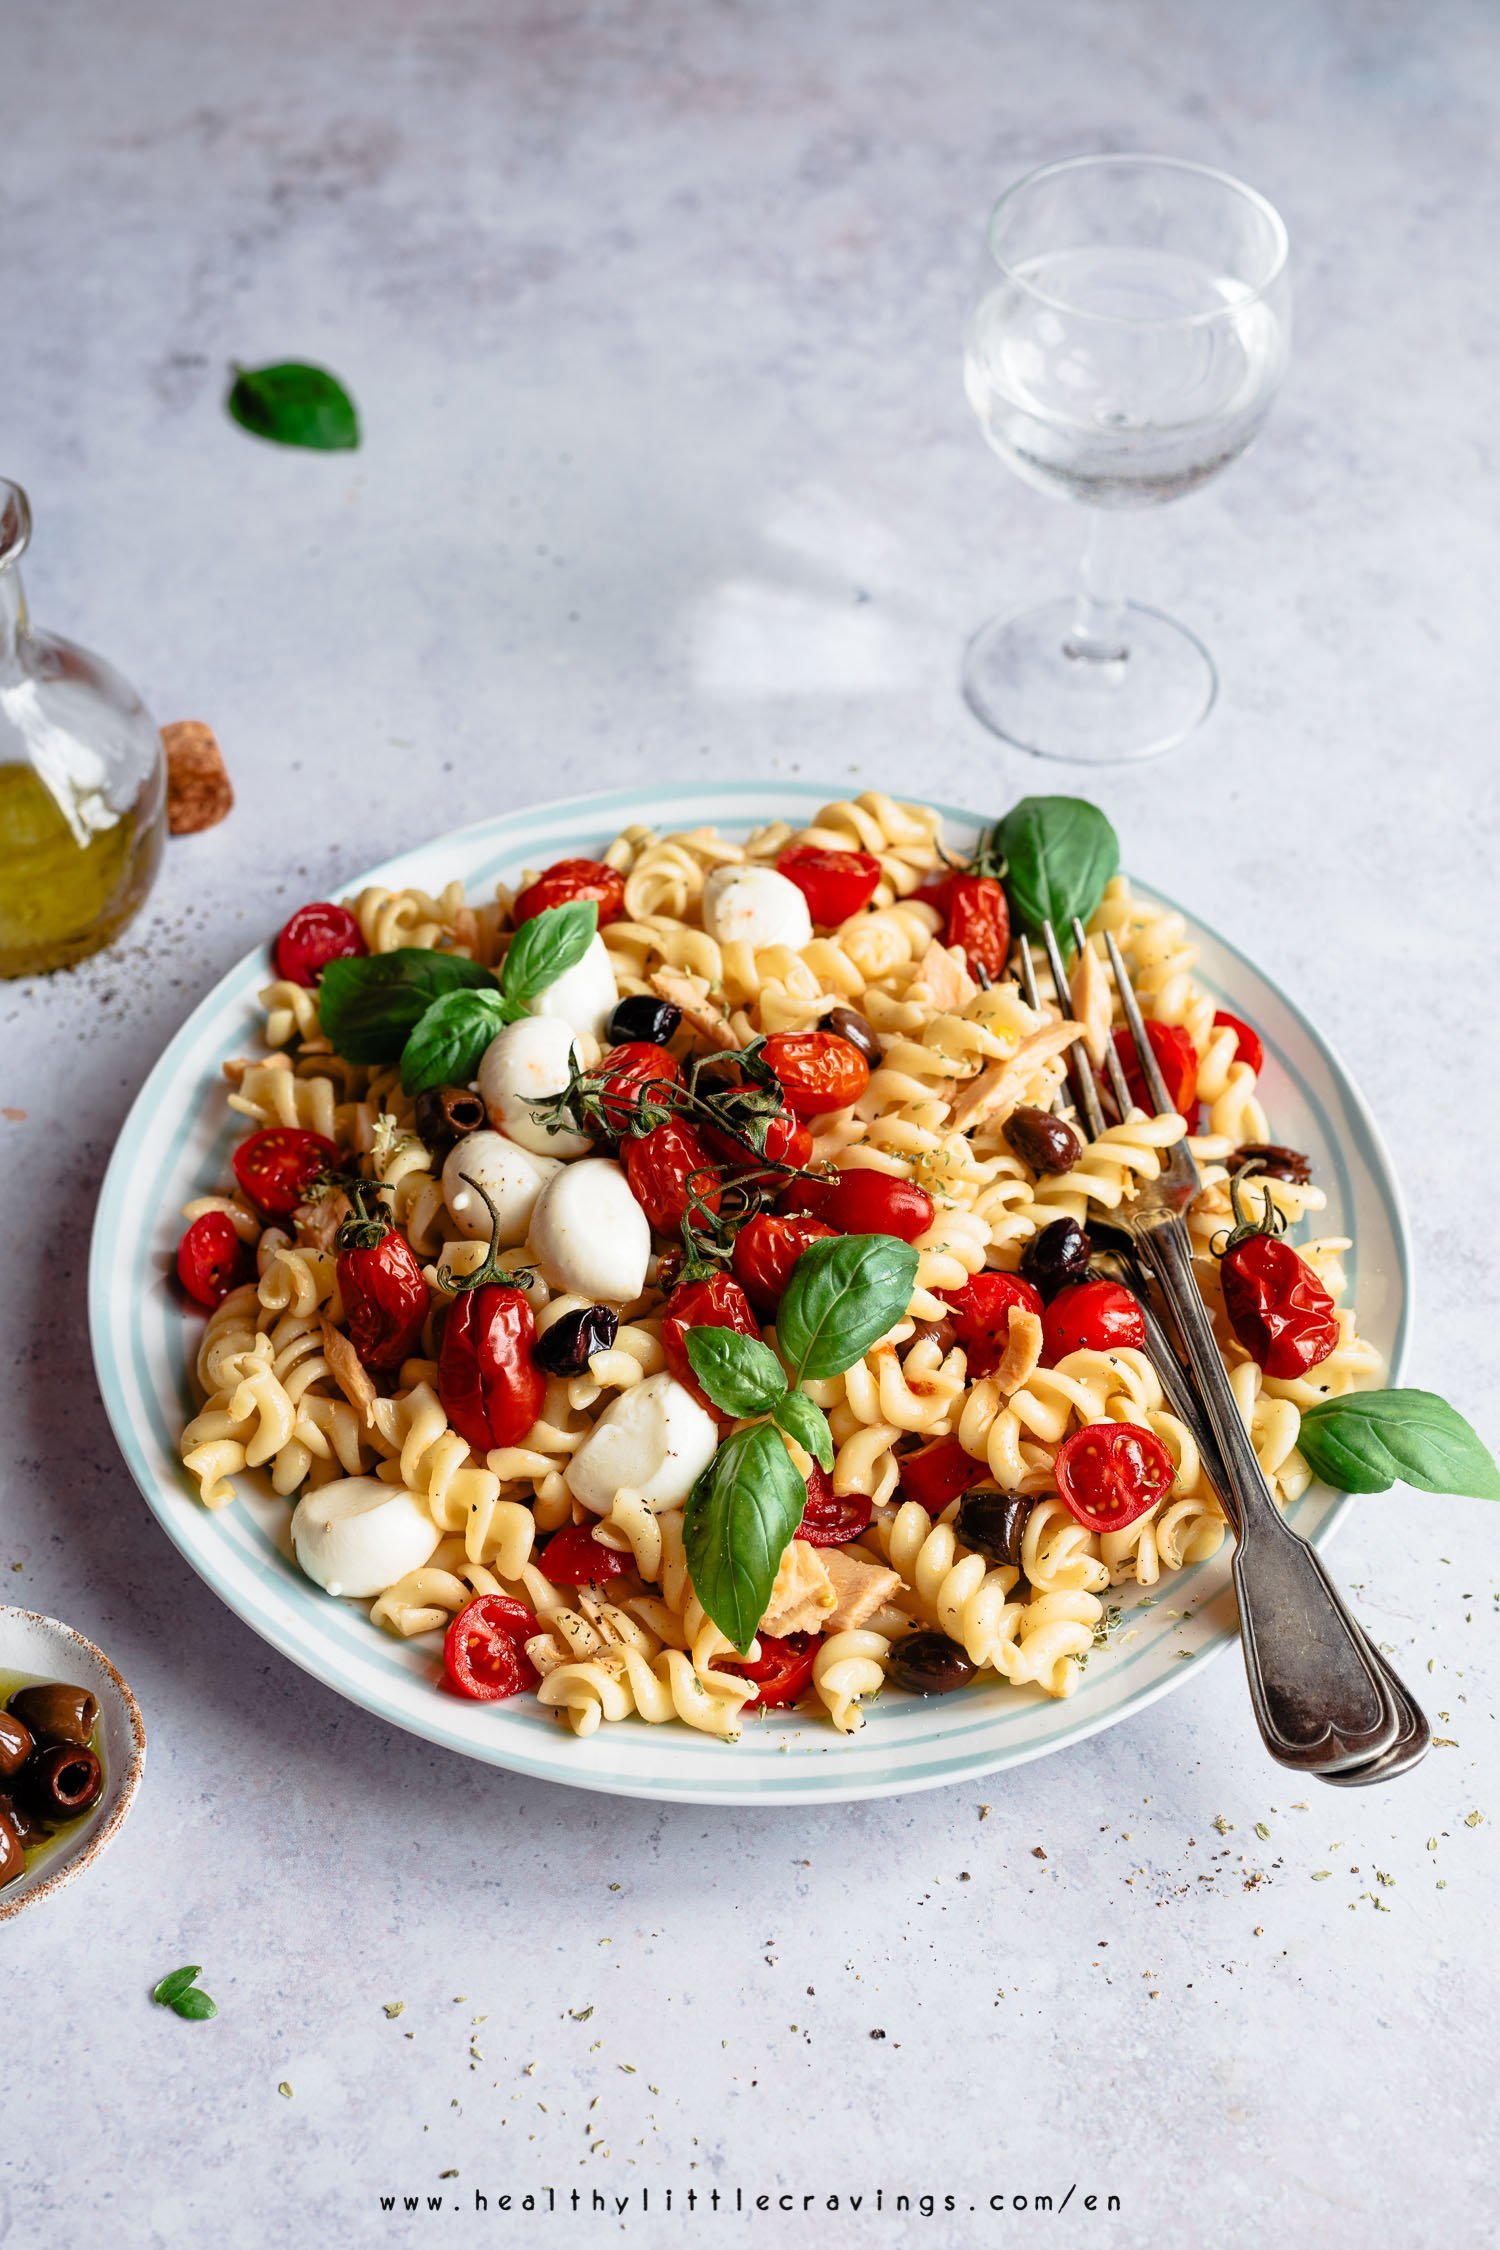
<point x="292" y="404"/>
<point x="173" y="1987"/>
<point x="844" y="1294"/>
<point x="1370" y="1440"/>
<point x="807" y="1423"/>
<point x="450" y="1039"/>
<point x="1060" y="852"/>
<point x="193" y="2005"/>
<point x="739" y="1516"/>
<point x="546" y="947"/>
<point x="370" y="1006"/>
<point x="739" y="1373"/>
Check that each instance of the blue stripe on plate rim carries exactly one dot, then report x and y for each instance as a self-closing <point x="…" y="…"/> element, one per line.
<point x="139" y="1344"/>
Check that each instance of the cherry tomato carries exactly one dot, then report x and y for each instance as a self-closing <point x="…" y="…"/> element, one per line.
<point x="491" y="1388"/>
<point x="482" y="1653"/>
<point x="1092" y="1316"/>
<point x="313" y="937"/>
<point x="1176" y="1059"/>
<point x="981" y="1315"/>
<point x="829" y="1520"/>
<point x="783" y="1669"/>
<point x="1248" y="1048"/>
<point x="938" y="1473"/>
<point x="818" y="1070"/>
<point x="765" y="1251"/>
<point x="574" y="1557"/>
<point x="863" y="1201"/>
<point x="629" y="1073"/>
<point x="569" y="879"/>
<point x="666" y="1168"/>
<point x="1108" y="1473"/>
<point x="788" y="1141"/>
<point x="211" y="1259"/>
<point x="834" y="884"/>
<point x="978" y="919"/>
<point x="717" y="1302"/>
<point x="384" y="1295"/>
<point x="277" y="1167"/>
<point x="1277" y="1306"/>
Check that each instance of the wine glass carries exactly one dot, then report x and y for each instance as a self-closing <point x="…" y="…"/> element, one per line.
<point x="1131" y="328"/>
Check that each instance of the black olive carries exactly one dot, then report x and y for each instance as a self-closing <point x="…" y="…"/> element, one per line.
<point x="992" y="1523"/>
<point x="16" y="1744"/>
<point x="928" y="1663"/>
<point x="1057" y="1256"/>
<point x="571" y="1342"/>
<point x="444" y="1114"/>
<point x="61" y="1782"/>
<point x="645" y="1017"/>
<point x="19" y="1818"/>
<point x="859" y="1034"/>
<point x="1268" y="1158"/>
<point x="941" y="1332"/>
<point x="56" y="1713"/>
<point x="12" y="1856"/>
<point x="1045" y="1142"/>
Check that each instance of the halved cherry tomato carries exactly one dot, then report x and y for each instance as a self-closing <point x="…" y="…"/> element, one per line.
<point x="569" y="879"/>
<point x="830" y="1520"/>
<point x="1092" y="1316"/>
<point x="212" y="1260"/>
<point x="1176" y="1059"/>
<point x="981" y="1315"/>
<point x="314" y="936"/>
<point x="716" y="1302"/>
<point x="834" y="884"/>
<point x="818" y="1070"/>
<point x="629" y="1072"/>
<point x="979" y="920"/>
<point x="574" y="1557"/>
<point x="938" y="1473"/>
<point x="788" y="1141"/>
<point x="482" y="1653"/>
<point x="864" y="1201"/>
<point x="1108" y="1473"/>
<point x="1248" y="1048"/>
<point x="782" y="1670"/>
<point x="666" y="1168"/>
<point x="277" y="1167"/>
<point x="765" y="1251"/>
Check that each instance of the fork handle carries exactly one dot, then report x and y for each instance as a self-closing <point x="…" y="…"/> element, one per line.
<point x="1314" y="1681"/>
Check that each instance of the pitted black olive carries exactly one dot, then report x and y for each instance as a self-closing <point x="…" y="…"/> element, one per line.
<point x="444" y="1114"/>
<point x="860" y="1034"/>
<point x="16" y="1744"/>
<point x="1045" y="1142"/>
<point x="642" y="1016"/>
<point x="1057" y="1256"/>
<point x="928" y="1663"/>
<point x="12" y="1856"/>
<point x="1272" y="1161"/>
<point x="992" y="1523"/>
<point x="19" y="1818"/>
<point x="56" y="1713"/>
<point x="61" y="1782"/>
<point x="571" y="1342"/>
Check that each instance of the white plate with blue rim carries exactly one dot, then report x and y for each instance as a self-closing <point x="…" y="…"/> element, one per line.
<point x="175" y="1144"/>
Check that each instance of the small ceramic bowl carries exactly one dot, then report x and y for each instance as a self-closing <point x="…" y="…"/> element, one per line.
<point x="45" y="1650"/>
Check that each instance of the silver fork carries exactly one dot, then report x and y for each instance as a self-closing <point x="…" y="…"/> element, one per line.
<point x="1318" y="1686"/>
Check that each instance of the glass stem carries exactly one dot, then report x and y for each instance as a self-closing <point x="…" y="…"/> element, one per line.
<point x="1097" y="634"/>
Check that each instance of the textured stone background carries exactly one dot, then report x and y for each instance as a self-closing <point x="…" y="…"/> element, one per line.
<point x="653" y="312"/>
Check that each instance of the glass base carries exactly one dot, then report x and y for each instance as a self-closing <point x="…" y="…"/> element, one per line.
<point x="1021" y="682"/>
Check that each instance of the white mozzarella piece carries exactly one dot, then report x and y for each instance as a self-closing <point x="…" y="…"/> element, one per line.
<point x="589" y="1235"/>
<point x="655" y="1438"/>
<point x="755" y="906"/>
<point x="583" y="996"/>
<point x="511" y="1177"/>
<point x="360" y="1535"/>
<point x="522" y="1065"/>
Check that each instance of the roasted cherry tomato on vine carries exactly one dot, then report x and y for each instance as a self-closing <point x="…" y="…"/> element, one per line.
<point x="381" y="1285"/>
<point x="978" y="919"/>
<point x="211" y="1259"/>
<point x="277" y="1167"/>
<point x="715" y="1302"/>
<point x="783" y="1670"/>
<point x="788" y="1141"/>
<point x="570" y="879"/>
<point x="831" y="1520"/>
<point x="629" y="1075"/>
<point x="864" y="1201"/>
<point x="313" y="937"/>
<point x="1248" y="1048"/>
<point x="981" y="1315"/>
<point x="765" y="1251"/>
<point x="490" y="1385"/>
<point x="1176" y="1059"/>
<point x="1092" y="1316"/>
<point x="483" y="1653"/>
<point x="1108" y="1473"/>
<point x="1276" y="1304"/>
<point x="668" y="1169"/>
<point x="938" y="1473"/>
<point x="818" y="1070"/>
<point x="574" y="1557"/>
<point x="834" y="884"/>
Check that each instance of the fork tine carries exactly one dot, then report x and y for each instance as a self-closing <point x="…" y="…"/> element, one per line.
<point x="1144" y="1051"/>
<point x="1080" y="1070"/>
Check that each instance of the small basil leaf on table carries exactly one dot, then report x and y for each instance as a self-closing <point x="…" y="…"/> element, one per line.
<point x="844" y="1295"/>
<point x="369" y="1006"/>
<point x="1369" y="1440"/>
<point x="1060" y="853"/>
<point x="546" y="947"/>
<point x="740" y="1373"/>
<point x="739" y="1516"/>
<point x="173" y="1987"/>
<point x="451" y="1036"/>
<point x="293" y="404"/>
<point x="807" y="1423"/>
<point x="193" y="2005"/>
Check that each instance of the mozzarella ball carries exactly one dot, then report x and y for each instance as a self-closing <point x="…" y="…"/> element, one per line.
<point x="583" y="996"/>
<point x="360" y="1535"/>
<point x="655" y="1438"/>
<point x="755" y="906"/>
<point x="511" y="1177"/>
<point x="522" y="1065"/>
<point x="589" y="1235"/>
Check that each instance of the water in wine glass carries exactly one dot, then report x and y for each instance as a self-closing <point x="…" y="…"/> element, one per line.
<point x="1100" y="373"/>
